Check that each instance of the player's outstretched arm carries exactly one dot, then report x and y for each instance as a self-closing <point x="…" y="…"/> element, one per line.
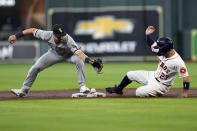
<point x="97" y="64"/>
<point x="12" y="39"/>
<point x="185" y="87"/>
<point x="81" y="55"/>
<point x="148" y="32"/>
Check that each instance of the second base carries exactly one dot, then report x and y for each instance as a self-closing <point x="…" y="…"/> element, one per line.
<point x="96" y="94"/>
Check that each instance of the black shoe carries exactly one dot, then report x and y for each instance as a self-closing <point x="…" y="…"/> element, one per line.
<point x="114" y="90"/>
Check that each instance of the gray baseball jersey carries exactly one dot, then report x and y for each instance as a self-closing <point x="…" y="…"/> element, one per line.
<point x="60" y="52"/>
<point x="65" y="49"/>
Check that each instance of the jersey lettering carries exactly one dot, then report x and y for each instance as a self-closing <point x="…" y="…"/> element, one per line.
<point x="168" y="68"/>
<point x="164" y="67"/>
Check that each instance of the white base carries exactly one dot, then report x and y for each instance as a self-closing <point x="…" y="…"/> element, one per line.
<point x="89" y="95"/>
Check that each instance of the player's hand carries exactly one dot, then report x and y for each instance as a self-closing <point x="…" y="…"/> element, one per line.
<point x="150" y="30"/>
<point x="185" y="94"/>
<point x="12" y="39"/>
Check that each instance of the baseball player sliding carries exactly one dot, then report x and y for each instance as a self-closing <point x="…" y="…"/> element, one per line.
<point x="63" y="49"/>
<point x="157" y="83"/>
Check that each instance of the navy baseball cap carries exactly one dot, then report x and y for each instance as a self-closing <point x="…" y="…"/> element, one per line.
<point x="58" y="30"/>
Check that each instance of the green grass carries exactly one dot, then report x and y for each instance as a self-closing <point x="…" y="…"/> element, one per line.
<point x="99" y="115"/>
<point x="63" y="76"/>
<point x="93" y="114"/>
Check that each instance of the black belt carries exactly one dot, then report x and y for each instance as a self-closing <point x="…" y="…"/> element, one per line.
<point x="161" y="83"/>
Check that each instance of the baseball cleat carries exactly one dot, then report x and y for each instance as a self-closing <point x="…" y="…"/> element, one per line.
<point x="18" y="92"/>
<point x="114" y="90"/>
<point x="84" y="89"/>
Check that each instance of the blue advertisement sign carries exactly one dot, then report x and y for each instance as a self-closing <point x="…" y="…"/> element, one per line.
<point x="109" y="32"/>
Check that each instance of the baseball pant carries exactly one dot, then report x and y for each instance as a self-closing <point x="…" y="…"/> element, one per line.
<point x="50" y="58"/>
<point x="151" y="86"/>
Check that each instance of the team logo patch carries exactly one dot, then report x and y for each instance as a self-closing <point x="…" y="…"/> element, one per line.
<point x="60" y="30"/>
<point x="183" y="70"/>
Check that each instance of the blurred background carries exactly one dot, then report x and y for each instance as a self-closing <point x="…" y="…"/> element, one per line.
<point x="111" y="29"/>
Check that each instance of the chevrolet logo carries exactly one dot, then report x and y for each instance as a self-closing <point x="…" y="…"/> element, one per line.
<point x="104" y="27"/>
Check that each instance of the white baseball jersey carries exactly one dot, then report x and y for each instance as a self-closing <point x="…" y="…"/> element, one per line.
<point x="168" y="68"/>
<point x="159" y="81"/>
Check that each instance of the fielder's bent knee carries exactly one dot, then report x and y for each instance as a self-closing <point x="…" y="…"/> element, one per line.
<point x="36" y="68"/>
<point x="79" y="62"/>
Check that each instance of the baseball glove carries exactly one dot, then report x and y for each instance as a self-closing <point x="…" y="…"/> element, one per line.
<point x="98" y="65"/>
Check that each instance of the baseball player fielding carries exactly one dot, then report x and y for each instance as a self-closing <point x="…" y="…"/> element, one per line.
<point x="62" y="49"/>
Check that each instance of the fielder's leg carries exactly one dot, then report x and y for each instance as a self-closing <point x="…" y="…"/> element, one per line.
<point x="80" y="69"/>
<point x="46" y="60"/>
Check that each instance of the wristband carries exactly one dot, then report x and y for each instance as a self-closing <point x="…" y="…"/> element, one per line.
<point x="149" y="40"/>
<point x="19" y="35"/>
<point x="87" y="60"/>
<point x="186" y="85"/>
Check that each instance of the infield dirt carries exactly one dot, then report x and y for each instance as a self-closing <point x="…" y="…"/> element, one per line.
<point x="66" y="94"/>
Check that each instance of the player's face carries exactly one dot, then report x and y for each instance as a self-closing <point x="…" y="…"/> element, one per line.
<point x="58" y="39"/>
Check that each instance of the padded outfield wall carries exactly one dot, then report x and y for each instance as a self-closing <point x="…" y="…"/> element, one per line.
<point x="172" y="18"/>
<point x="114" y="29"/>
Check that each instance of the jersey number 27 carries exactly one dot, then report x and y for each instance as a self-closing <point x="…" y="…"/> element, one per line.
<point x="163" y="76"/>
